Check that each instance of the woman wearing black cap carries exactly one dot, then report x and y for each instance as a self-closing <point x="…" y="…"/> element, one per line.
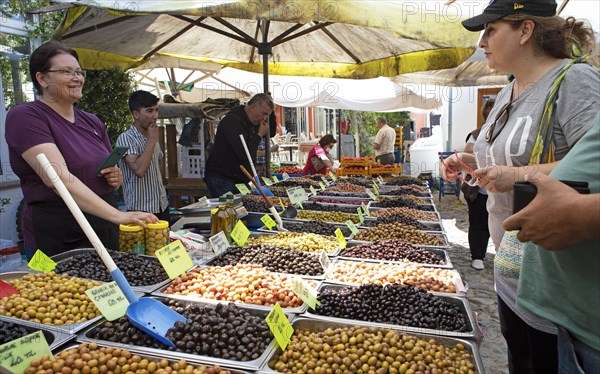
<point x="537" y="118"/>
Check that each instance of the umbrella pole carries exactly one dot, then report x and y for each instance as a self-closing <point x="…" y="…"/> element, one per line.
<point x="265" y="49"/>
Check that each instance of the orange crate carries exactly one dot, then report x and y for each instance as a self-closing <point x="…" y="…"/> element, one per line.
<point x="379" y="169"/>
<point x="356" y="161"/>
<point x="344" y="170"/>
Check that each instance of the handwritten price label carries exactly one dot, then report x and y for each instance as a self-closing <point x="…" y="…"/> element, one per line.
<point x="324" y="180"/>
<point x="371" y="194"/>
<point x="360" y="215"/>
<point x="268" y="221"/>
<point x="242" y="188"/>
<point x="15" y="356"/>
<point x="267" y="181"/>
<point x="286" y="176"/>
<point x="322" y="185"/>
<point x="324" y="260"/>
<point x="42" y="263"/>
<point x="280" y="326"/>
<point x="109" y="299"/>
<point x="313" y="191"/>
<point x="174" y="259"/>
<point x="219" y="243"/>
<point x="297" y="195"/>
<point x="332" y="176"/>
<point x="365" y="209"/>
<point x="376" y="188"/>
<point x="352" y="227"/>
<point x="380" y="180"/>
<point x="240" y="233"/>
<point x="275" y="179"/>
<point x="341" y="239"/>
<point x="306" y="293"/>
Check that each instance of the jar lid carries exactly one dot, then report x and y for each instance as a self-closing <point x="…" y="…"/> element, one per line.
<point x="130" y="227"/>
<point x="158" y="226"/>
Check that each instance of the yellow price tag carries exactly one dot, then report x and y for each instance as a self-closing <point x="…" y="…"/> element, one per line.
<point x="341" y="239"/>
<point x="240" y="233"/>
<point x="42" y="263"/>
<point x="109" y="299"/>
<point x="242" y="188"/>
<point x="376" y="188"/>
<point x="307" y="294"/>
<point x="332" y="176"/>
<point x="275" y="180"/>
<point x="267" y="181"/>
<point x="16" y="355"/>
<point x="322" y="185"/>
<point x="268" y="221"/>
<point x="174" y="259"/>
<point x="360" y="215"/>
<point x="281" y="203"/>
<point x="280" y="326"/>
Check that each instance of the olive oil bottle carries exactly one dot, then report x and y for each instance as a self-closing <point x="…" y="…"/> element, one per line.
<point x="219" y="218"/>
<point x="232" y="215"/>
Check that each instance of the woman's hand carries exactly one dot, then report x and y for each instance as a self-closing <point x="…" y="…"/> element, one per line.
<point x="451" y="165"/>
<point x="502" y="178"/>
<point x="113" y="176"/>
<point x="138" y="218"/>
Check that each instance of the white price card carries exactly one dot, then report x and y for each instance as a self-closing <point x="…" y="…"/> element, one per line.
<point x="286" y="176"/>
<point x="313" y="191"/>
<point x="324" y="180"/>
<point x="297" y="195"/>
<point x="371" y="194"/>
<point x="219" y="243"/>
<point x="306" y="293"/>
<point x="324" y="260"/>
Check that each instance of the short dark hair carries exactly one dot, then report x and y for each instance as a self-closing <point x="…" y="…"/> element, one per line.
<point x="262" y="98"/>
<point x="486" y="108"/>
<point x="141" y="99"/>
<point x="327" y="139"/>
<point x="40" y="59"/>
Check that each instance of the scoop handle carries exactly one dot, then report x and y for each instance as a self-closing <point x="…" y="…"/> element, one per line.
<point x="86" y="227"/>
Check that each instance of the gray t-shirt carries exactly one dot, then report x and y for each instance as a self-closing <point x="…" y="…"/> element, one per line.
<point x="573" y="115"/>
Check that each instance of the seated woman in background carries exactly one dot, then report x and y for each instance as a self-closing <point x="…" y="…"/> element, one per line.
<point x="319" y="161"/>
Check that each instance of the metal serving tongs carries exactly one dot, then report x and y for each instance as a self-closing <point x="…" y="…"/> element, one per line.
<point x="149" y="315"/>
<point x="267" y="201"/>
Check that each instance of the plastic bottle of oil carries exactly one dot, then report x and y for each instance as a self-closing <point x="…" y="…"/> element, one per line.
<point x="219" y="218"/>
<point x="233" y="216"/>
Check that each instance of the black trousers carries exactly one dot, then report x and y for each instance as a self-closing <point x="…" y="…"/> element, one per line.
<point x="479" y="234"/>
<point x="530" y="351"/>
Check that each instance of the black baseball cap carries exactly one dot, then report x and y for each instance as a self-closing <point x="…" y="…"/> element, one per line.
<point x="502" y="8"/>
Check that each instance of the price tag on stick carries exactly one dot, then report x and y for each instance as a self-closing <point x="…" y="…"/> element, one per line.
<point x="280" y="326"/>
<point x="242" y="188"/>
<point x="371" y="194"/>
<point x="360" y="215"/>
<point x="286" y="176"/>
<point x="324" y="260"/>
<point x="267" y="181"/>
<point x="322" y="185"/>
<point x="268" y="221"/>
<point x="341" y="239"/>
<point x="175" y="259"/>
<point x="352" y="227"/>
<point x="324" y="180"/>
<point x="42" y="263"/>
<point x="240" y="233"/>
<point x="365" y="209"/>
<point x="313" y="191"/>
<point x="219" y="243"/>
<point x="16" y="355"/>
<point x="109" y="299"/>
<point x="307" y="294"/>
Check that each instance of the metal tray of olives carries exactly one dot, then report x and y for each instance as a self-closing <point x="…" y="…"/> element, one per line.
<point x="258" y="234"/>
<point x="435" y="212"/>
<point x="440" y="252"/>
<point x="320" y="277"/>
<point x="311" y="324"/>
<point x="365" y="199"/>
<point x="72" y="328"/>
<point x="54" y="337"/>
<point x="460" y="302"/>
<point x="440" y="235"/>
<point x="192" y="358"/>
<point x="263" y="308"/>
<point x="155" y="356"/>
<point x="62" y="257"/>
<point x="460" y="285"/>
<point x="431" y="206"/>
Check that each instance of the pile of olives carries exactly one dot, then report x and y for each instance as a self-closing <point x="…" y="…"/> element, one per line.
<point x="393" y="250"/>
<point x="344" y="194"/>
<point x="340" y="217"/>
<point x="393" y="304"/>
<point x="365" y="182"/>
<point x="139" y="270"/>
<point x="222" y="331"/>
<point x="328" y="208"/>
<point x="369" y="350"/>
<point x="414" y="213"/>
<point x="298" y="182"/>
<point x="406" y="220"/>
<point x="404" y="180"/>
<point x="347" y="187"/>
<point x="404" y="233"/>
<point x="272" y="258"/>
<point x="50" y="299"/>
<point x="397" y="202"/>
<point x="257" y="204"/>
<point x="89" y="358"/>
<point x="316" y="227"/>
<point x="10" y="331"/>
<point x="307" y="242"/>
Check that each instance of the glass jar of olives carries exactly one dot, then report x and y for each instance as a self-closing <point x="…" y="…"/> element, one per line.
<point x="157" y="236"/>
<point x="131" y="239"/>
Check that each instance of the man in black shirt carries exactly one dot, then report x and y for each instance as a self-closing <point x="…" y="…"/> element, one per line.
<point x="227" y="154"/>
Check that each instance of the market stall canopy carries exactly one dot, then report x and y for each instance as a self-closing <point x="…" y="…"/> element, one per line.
<point x="374" y="95"/>
<point x="343" y="38"/>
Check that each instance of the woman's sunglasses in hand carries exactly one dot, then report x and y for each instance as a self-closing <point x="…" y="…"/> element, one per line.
<point x="471" y="182"/>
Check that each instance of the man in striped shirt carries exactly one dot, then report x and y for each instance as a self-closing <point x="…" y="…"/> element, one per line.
<point x="143" y="189"/>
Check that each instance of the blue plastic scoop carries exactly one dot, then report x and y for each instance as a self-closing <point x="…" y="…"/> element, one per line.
<point x="149" y="315"/>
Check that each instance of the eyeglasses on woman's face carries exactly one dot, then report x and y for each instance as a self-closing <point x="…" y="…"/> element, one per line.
<point x="68" y="73"/>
